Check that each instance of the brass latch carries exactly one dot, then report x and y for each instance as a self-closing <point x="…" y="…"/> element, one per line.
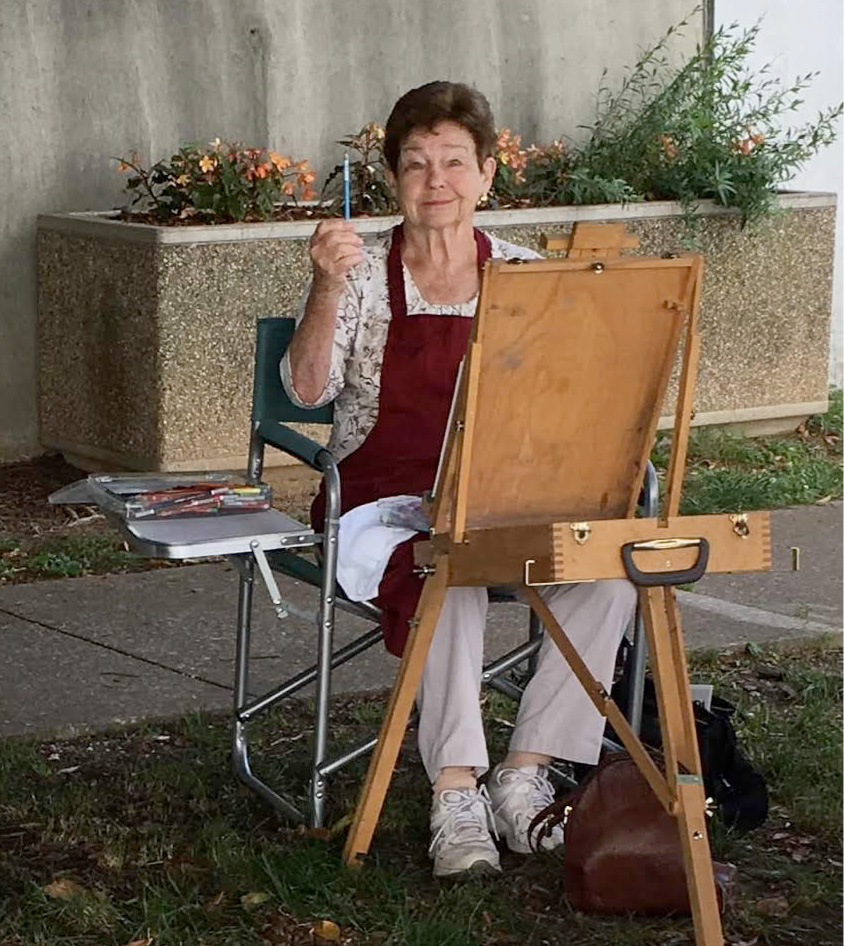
<point x="581" y="531"/>
<point x="740" y="526"/>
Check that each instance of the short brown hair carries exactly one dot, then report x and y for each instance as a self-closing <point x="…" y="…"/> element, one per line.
<point x="437" y="102"/>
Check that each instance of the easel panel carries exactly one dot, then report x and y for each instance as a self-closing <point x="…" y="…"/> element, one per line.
<point x="569" y="435"/>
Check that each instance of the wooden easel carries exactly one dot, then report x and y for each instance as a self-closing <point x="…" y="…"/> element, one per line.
<point x="555" y="415"/>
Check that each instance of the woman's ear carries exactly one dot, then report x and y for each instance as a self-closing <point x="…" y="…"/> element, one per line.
<point x="488" y="172"/>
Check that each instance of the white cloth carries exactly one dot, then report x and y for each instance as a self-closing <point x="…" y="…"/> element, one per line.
<point x="364" y="546"/>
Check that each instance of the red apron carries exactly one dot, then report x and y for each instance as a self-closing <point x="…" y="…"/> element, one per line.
<point x="401" y="452"/>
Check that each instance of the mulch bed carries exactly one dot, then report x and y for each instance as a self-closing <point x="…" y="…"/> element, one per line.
<point x="24" y="488"/>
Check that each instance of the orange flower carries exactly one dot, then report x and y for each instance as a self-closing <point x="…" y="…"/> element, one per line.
<point x="280" y="161"/>
<point x="668" y="146"/>
<point x="289" y="188"/>
<point x="207" y="163"/>
<point x="510" y="153"/>
<point x="262" y="170"/>
<point x="309" y="194"/>
<point x="375" y="130"/>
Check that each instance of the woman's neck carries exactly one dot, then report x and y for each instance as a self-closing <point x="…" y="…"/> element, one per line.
<point x="442" y="263"/>
<point x="445" y="251"/>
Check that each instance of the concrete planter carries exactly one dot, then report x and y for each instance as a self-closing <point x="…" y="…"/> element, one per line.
<point x="146" y="333"/>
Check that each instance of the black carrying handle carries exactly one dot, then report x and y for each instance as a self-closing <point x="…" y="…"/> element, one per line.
<point x="652" y="579"/>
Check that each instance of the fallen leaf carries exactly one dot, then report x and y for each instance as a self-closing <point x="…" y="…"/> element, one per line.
<point x="63" y="889"/>
<point x="772" y="906"/>
<point x="254" y="899"/>
<point x="141" y="942"/>
<point x="68" y="770"/>
<point x="326" y="931"/>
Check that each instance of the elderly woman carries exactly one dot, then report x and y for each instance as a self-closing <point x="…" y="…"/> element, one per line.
<point x="382" y="333"/>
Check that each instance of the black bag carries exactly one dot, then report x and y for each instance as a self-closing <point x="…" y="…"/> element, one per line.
<point x="738" y="790"/>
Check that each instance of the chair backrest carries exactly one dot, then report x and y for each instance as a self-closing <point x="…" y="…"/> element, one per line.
<point x="269" y="399"/>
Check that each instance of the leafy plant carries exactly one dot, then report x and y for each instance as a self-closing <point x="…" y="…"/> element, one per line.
<point x="369" y="191"/>
<point x="223" y="183"/>
<point x="710" y="128"/>
<point x="546" y="175"/>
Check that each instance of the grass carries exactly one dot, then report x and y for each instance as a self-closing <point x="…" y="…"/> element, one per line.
<point x="729" y="473"/>
<point x="142" y="835"/>
<point x="65" y="556"/>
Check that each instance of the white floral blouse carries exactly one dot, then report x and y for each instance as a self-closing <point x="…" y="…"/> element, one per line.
<point x="363" y="317"/>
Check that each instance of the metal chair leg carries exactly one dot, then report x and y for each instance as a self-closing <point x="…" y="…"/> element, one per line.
<point x="534" y="636"/>
<point x="638" y="659"/>
<point x="325" y="645"/>
<point x="639" y="652"/>
<point x="240" y="740"/>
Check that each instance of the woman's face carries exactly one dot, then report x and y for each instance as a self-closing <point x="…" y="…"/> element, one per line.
<point x="439" y="183"/>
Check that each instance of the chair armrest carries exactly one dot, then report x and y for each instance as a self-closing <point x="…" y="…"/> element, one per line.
<point x="298" y="445"/>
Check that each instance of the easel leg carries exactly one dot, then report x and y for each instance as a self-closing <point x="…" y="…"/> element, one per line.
<point x="679" y="742"/>
<point x="383" y="761"/>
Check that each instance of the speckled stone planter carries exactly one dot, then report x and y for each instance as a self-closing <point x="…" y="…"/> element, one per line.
<point x="146" y="334"/>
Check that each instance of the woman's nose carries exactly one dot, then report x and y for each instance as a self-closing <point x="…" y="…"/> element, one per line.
<point x="436" y="177"/>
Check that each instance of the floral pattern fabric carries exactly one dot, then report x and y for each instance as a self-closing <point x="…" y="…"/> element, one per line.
<point x="363" y="317"/>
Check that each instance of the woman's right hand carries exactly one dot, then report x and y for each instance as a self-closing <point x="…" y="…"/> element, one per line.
<point x="335" y="248"/>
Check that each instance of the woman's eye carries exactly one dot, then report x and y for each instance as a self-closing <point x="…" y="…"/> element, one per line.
<point x="414" y="166"/>
<point x="455" y="163"/>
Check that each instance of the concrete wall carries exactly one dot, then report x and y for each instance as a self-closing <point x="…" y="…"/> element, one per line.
<point x="83" y="80"/>
<point x="795" y="39"/>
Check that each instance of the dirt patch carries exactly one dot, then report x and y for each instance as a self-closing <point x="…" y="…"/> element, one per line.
<point x="24" y="488"/>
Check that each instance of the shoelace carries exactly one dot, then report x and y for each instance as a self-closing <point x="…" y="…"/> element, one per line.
<point x="543" y="791"/>
<point x="461" y="816"/>
<point x="539" y="788"/>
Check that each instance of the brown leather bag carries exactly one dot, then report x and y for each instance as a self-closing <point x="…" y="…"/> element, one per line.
<point x="622" y="849"/>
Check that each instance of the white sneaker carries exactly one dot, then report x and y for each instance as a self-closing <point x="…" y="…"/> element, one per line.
<point x="517" y="796"/>
<point x="461" y="820"/>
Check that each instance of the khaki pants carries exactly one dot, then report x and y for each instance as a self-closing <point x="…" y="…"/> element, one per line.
<point x="555" y="717"/>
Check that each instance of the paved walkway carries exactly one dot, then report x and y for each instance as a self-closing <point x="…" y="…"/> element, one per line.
<point x="81" y="653"/>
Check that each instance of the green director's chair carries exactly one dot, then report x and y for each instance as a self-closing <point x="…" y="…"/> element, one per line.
<point x="272" y="410"/>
